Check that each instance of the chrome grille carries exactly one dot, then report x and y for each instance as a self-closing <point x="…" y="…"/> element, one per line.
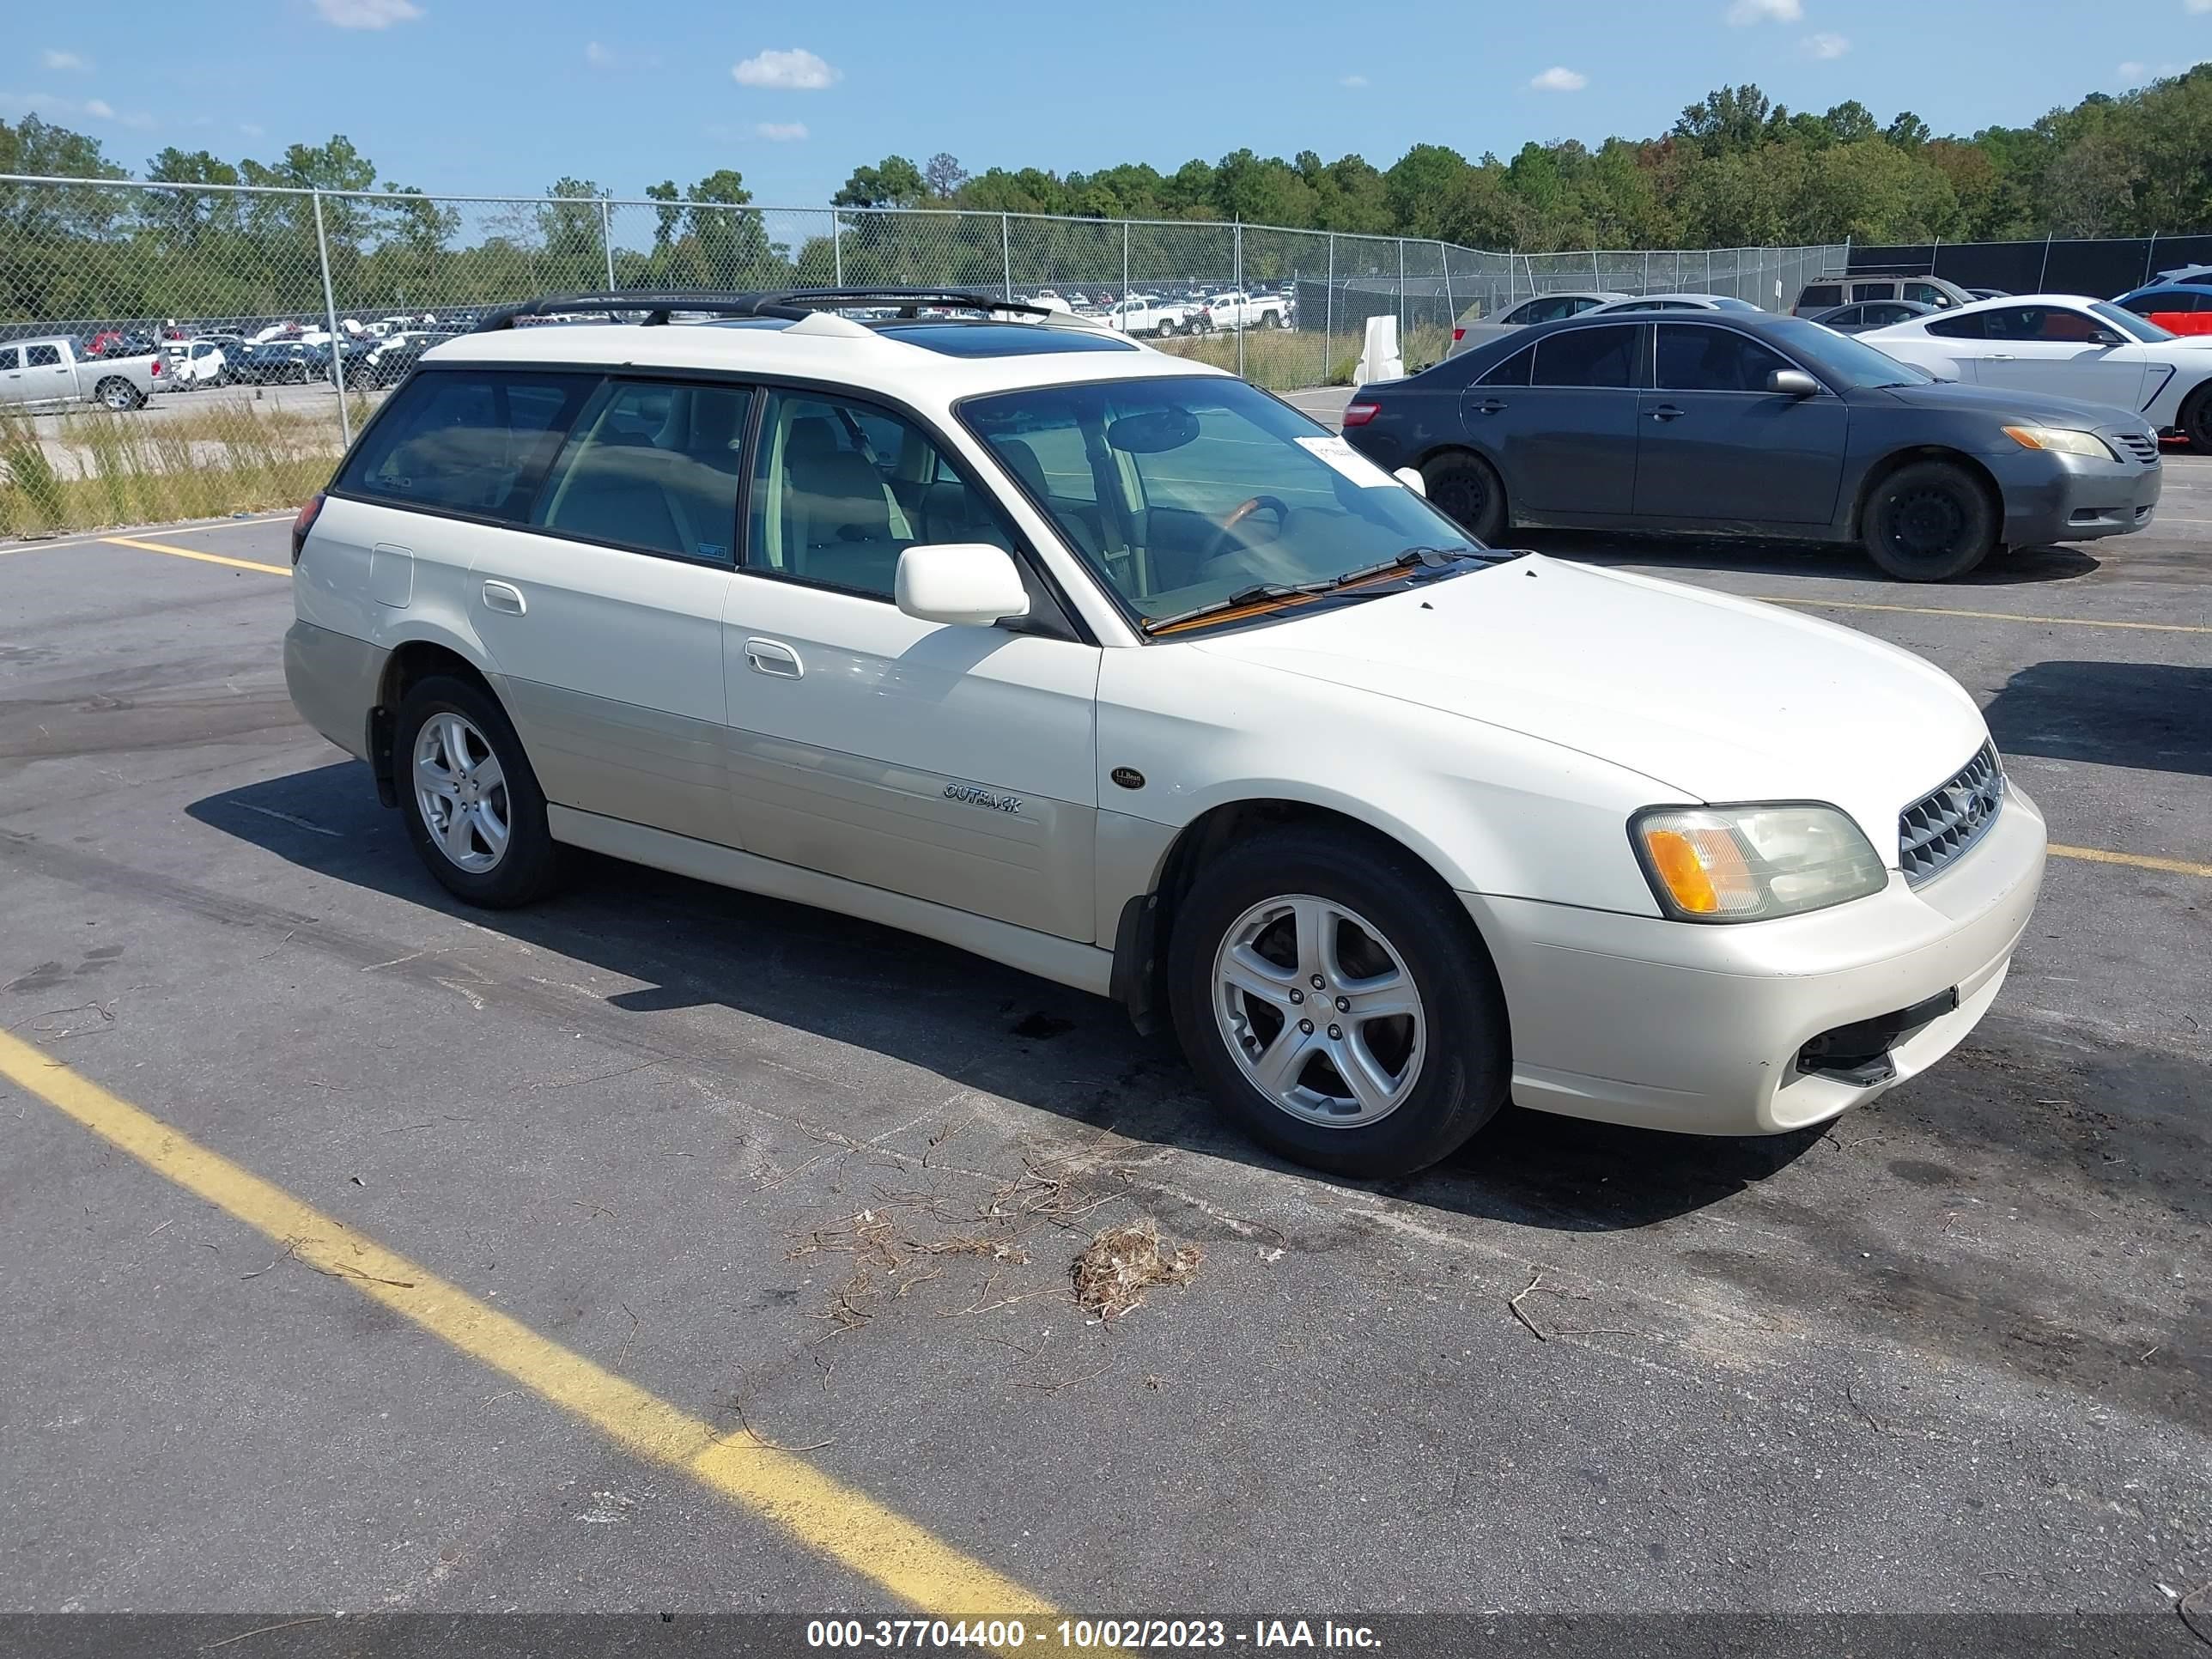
<point x="2141" y="445"/>
<point x="1938" y="828"/>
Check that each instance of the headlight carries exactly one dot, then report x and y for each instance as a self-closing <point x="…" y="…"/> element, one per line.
<point x="1752" y="863"/>
<point x="2062" y="439"/>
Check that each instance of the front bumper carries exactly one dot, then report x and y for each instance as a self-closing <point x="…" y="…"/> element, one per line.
<point x="1675" y="1025"/>
<point x="2072" y="498"/>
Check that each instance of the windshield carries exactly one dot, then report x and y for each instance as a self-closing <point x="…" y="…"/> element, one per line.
<point x="2127" y="322"/>
<point x="1179" y="492"/>
<point x="1844" y="362"/>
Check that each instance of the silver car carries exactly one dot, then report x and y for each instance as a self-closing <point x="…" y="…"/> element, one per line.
<point x="1677" y="302"/>
<point x="1544" y="308"/>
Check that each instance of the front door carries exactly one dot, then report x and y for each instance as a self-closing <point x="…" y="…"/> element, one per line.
<point x="47" y="378"/>
<point x="2059" y="350"/>
<point x="1718" y="446"/>
<point x="955" y="764"/>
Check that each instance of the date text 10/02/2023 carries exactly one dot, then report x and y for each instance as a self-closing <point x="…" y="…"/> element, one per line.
<point x="1004" y="1635"/>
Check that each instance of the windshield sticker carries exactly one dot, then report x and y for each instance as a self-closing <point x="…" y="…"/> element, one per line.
<point x="1336" y="452"/>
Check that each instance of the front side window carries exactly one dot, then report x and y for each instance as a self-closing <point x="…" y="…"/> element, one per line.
<point x="842" y="489"/>
<point x="1694" y="359"/>
<point x="1927" y="294"/>
<point x="1179" y="492"/>
<point x="42" y="356"/>
<point x="11" y="358"/>
<point x="467" y="440"/>
<point x="654" y="466"/>
<point x="1603" y="356"/>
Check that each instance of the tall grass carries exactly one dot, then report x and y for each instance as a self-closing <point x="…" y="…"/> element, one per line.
<point x="1283" y="360"/>
<point x="99" y="469"/>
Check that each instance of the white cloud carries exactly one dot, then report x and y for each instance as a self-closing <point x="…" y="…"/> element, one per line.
<point x="2197" y="5"/>
<point x="2134" y="71"/>
<point x="1826" y="46"/>
<point x="796" y="70"/>
<point x="74" y="62"/>
<point x="597" y="56"/>
<point x="1353" y="80"/>
<point x="252" y="128"/>
<point x="99" y="109"/>
<point x="48" y="107"/>
<point x="367" y="14"/>
<point x="1745" y="12"/>
<point x="1558" y="79"/>
<point x="781" y="132"/>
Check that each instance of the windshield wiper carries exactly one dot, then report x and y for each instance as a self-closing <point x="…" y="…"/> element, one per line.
<point x="1259" y="593"/>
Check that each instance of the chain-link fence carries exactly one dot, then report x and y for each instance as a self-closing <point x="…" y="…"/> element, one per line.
<point x="248" y="309"/>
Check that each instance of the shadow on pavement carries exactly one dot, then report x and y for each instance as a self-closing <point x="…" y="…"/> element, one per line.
<point x="2018" y="567"/>
<point x="694" y="945"/>
<point x="2153" y="717"/>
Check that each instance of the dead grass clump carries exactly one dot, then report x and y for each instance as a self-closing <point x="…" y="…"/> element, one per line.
<point x="1118" y="1266"/>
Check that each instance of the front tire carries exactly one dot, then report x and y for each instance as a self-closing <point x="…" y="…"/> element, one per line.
<point x="1928" y="521"/>
<point x="473" y="808"/>
<point x="1336" y="1003"/>
<point x="1467" y="489"/>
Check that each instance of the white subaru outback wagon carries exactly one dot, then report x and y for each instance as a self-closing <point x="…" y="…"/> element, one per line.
<point x="982" y="622"/>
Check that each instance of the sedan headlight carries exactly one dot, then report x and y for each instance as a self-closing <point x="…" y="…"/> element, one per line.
<point x="1752" y="863"/>
<point x="2062" y="439"/>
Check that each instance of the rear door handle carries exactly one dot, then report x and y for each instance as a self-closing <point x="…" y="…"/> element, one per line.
<point x="772" y="657"/>
<point x="505" y="596"/>
<point x="2003" y="357"/>
<point x="1490" y="406"/>
<point x="1668" y="412"/>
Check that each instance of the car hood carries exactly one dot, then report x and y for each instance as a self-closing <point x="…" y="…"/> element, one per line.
<point x="1713" y="697"/>
<point x="2004" y="404"/>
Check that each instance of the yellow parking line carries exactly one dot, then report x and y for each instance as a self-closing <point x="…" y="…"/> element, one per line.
<point x="167" y="530"/>
<point x="848" y="1526"/>
<point x="2139" y="860"/>
<point x="194" y="553"/>
<point x="1985" y="616"/>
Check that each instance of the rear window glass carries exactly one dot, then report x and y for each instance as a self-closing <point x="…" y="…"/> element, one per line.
<point x="1603" y="356"/>
<point x="1514" y="371"/>
<point x="1821" y="294"/>
<point x="467" y="440"/>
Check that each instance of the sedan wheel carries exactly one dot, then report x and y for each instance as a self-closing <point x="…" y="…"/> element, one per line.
<point x="1466" y="489"/>
<point x="1928" y="522"/>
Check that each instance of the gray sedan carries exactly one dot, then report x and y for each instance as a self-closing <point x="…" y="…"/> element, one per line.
<point x="1740" y="423"/>
<point x="1678" y="302"/>
<point x="1544" y="308"/>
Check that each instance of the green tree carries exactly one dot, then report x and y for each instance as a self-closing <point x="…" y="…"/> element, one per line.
<point x="892" y="182"/>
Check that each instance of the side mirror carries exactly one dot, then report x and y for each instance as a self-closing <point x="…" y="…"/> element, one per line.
<point x="1414" y="481"/>
<point x="1792" y="383"/>
<point x="963" y="584"/>
<point x="2105" y="337"/>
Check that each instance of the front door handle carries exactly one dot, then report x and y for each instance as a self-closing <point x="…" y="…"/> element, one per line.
<point x="2003" y="356"/>
<point x="1668" y="412"/>
<point x="505" y="596"/>
<point x="772" y="657"/>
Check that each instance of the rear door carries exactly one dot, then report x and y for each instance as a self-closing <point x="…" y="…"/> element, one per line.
<point x="1566" y="442"/>
<point x="1717" y="445"/>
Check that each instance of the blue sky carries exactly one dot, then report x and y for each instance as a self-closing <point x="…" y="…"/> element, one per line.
<point x="495" y="97"/>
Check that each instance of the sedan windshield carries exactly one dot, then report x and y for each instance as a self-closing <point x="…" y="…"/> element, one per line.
<point x="2127" y="322"/>
<point x="1181" y="492"/>
<point x="1846" y="362"/>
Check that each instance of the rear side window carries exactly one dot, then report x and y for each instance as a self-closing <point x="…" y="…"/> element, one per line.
<point x="1872" y="290"/>
<point x="1604" y="357"/>
<point x="654" y="466"/>
<point x="2144" y="304"/>
<point x="1821" y="294"/>
<point x="476" y="441"/>
<point x="1514" y="371"/>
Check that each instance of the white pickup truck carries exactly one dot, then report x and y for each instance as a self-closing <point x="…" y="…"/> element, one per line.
<point x="44" y="372"/>
<point x="1148" y="313"/>
<point x="1238" y="309"/>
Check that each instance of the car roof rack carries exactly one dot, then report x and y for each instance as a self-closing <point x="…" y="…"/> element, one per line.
<point x="791" y="304"/>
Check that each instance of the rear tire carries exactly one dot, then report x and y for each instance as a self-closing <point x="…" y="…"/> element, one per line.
<point x="1467" y="489"/>
<point x="117" y="394"/>
<point x="2197" y="420"/>
<point x="487" y="844"/>
<point x="1928" y="521"/>
<point x="1431" y="1076"/>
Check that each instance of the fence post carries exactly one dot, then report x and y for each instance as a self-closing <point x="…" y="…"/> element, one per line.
<point x="1451" y="311"/>
<point x="1006" y="253"/>
<point x="1401" y="294"/>
<point x="1328" y="312"/>
<point x="1596" y="281"/>
<point x="1236" y="281"/>
<point x="2045" y="270"/>
<point x="607" y="240"/>
<point x="2149" y="254"/>
<point x="1125" y="273"/>
<point x="1708" y="288"/>
<point x="836" y="247"/>
<point x="331" y="312"/>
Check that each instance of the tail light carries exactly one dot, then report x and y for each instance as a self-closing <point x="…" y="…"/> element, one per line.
<point x="1458" y="334"/>
<point x="156" y="369"/>
<point x="303" y="523"/>
<point x="1360" y="413"/>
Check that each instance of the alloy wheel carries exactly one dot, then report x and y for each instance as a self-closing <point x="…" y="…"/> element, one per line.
<point x="461" y="792"/>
